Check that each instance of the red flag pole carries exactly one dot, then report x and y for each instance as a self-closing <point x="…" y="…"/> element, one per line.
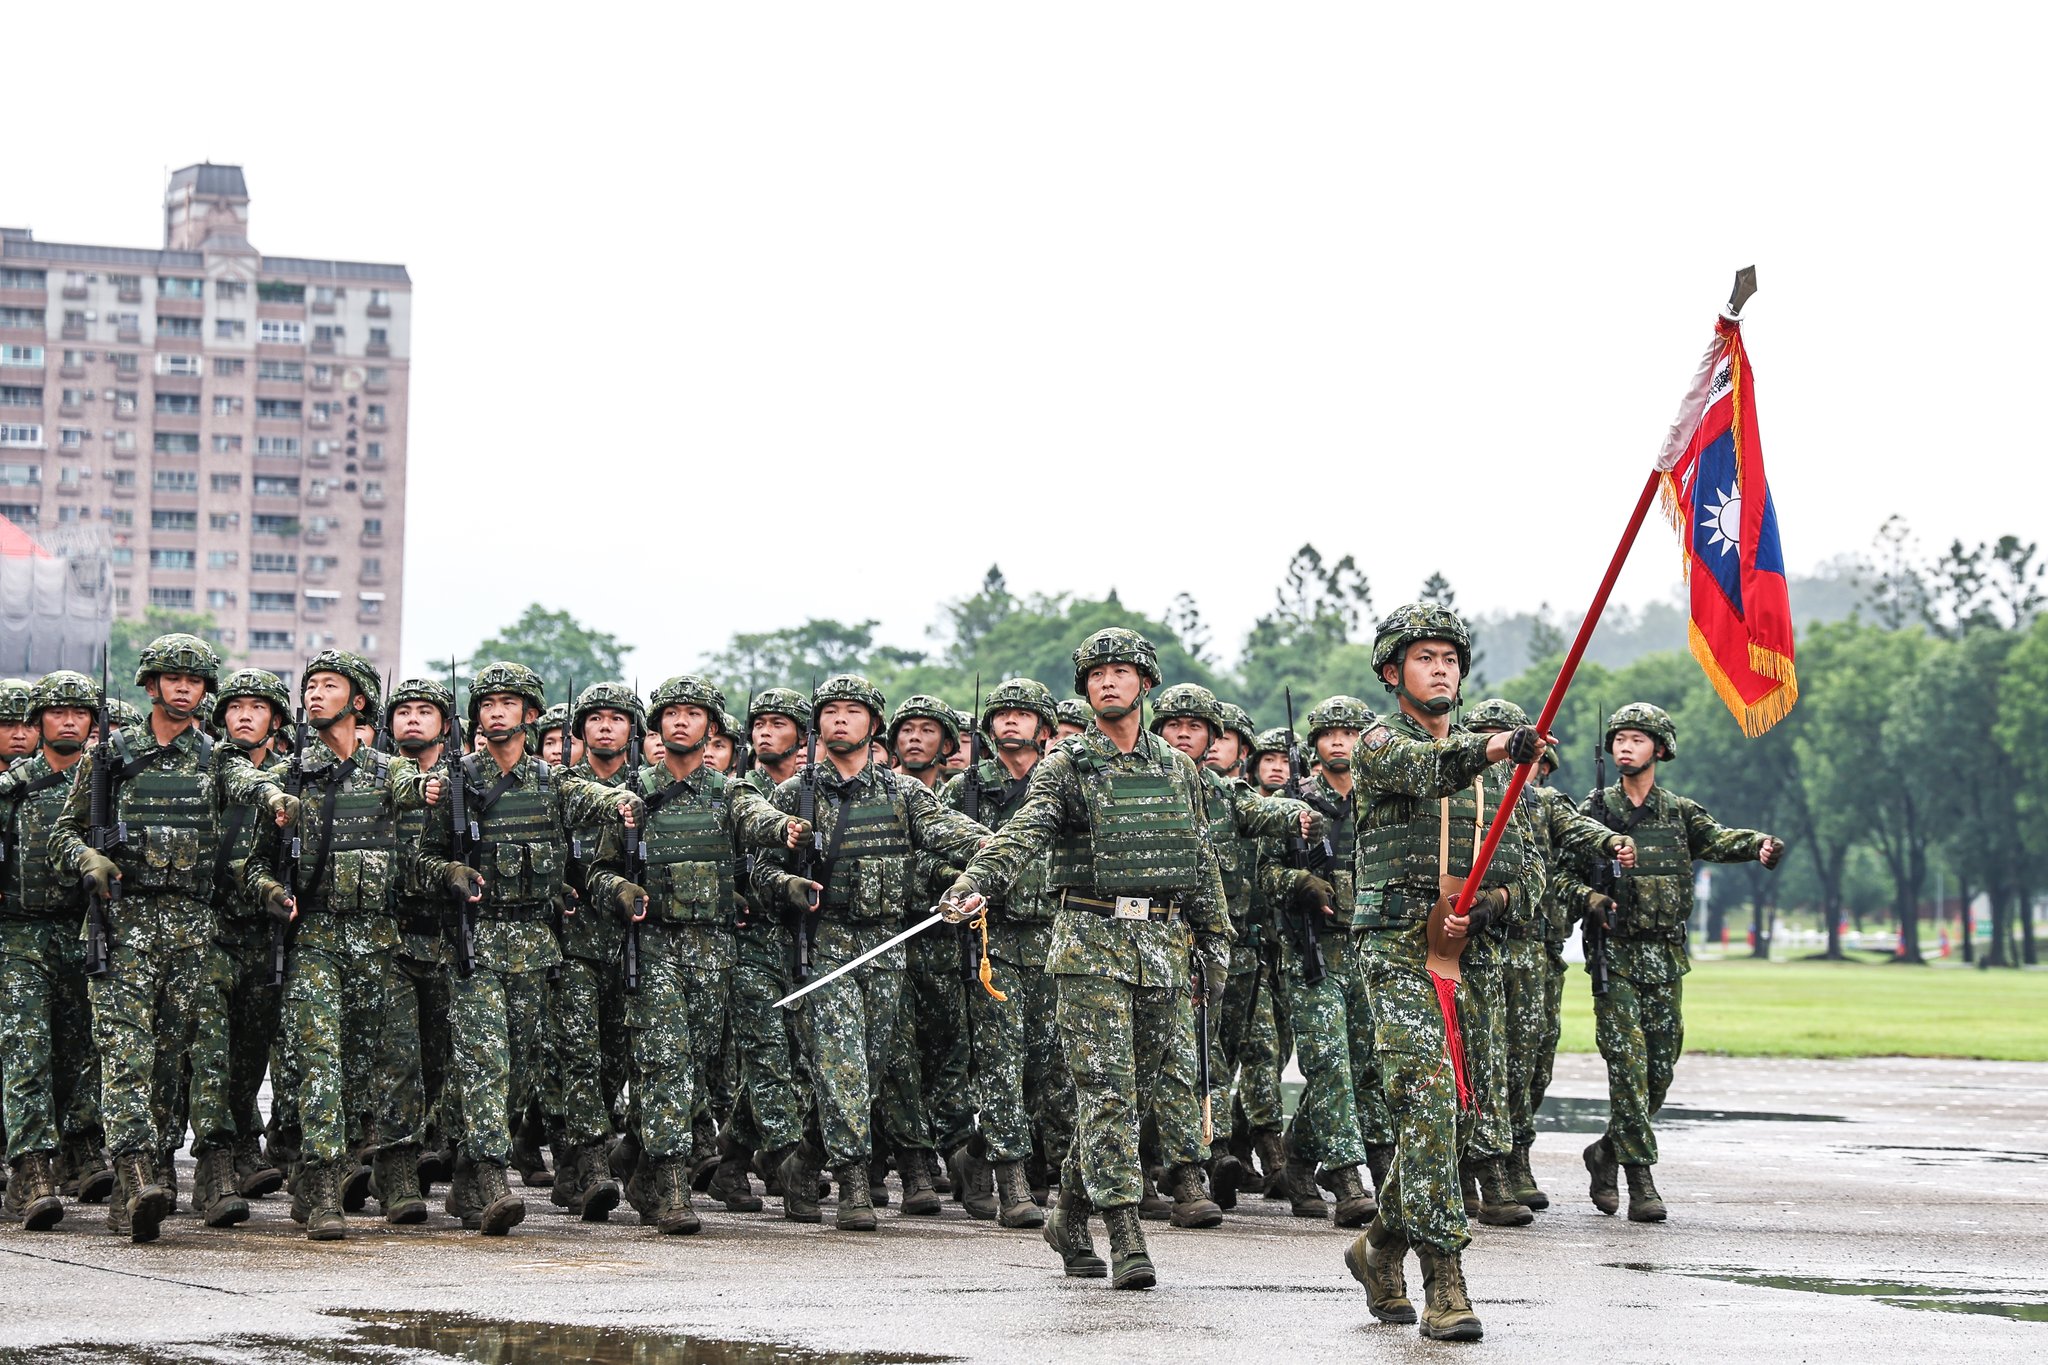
<point x="1551" y="703"/>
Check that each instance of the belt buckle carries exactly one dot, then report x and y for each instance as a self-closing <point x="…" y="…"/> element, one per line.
<point x="1133" y="907"/>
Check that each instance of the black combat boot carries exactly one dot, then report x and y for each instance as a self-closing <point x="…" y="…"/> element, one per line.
<point x="1130" y="1266"/>
<point x="942" y="1178"/>
<point x="437" y="1164"/>
<point x="1446" y="1311"/>
<point x="1498" y="1208"/>
<point x="323" y="1181"/>
<point x="878" y="1179"/>
<point x="1600" y="1165"/>
<point x="254" y="1177"/>
<point x="1226" y="1174"/>
<point x="1192" y="1206"/>
<point x="798" y="1170"/>
<point x="1379" y="1160"/>
<point x="1375" y="1259"/>
<point x="143" y="1202"/>
<point x="567" y="1189"/>
<point x="856" y="1211"/>
<point x="503" y="1210"/>
<point x="355" y="1181"/>
<point x="526" y="1157"/>
<point x="673" y="1214"/>
<point x="973" y="1182"/>
<point x="1066" y="1231"/>
<point x="461" y="1201"/>
<point x="1153" y="1205"/>
<point x="729" y="1183"/>
<point x="1355" y="1204"/>
<point x="1645" y="1205"/>
<point x="396" y="1175"/>
<point x="32" y="1193"/>
<point x="594" y="1190"/>
<point x="1272" y="1150"/>
<point x="1468" y="1186"/>
<point x="642" y="1195"/>
<point x="921" y="1198"/>
<point x="167" y="1176"/>
<point x="216" y="1194"/>
<point x="1522" y="1180"/>
<point x="1302" y="1195"/>
<point x="1016" y="1207"/>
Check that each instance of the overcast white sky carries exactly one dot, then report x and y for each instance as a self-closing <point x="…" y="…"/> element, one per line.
<point x="1142" y="295"/>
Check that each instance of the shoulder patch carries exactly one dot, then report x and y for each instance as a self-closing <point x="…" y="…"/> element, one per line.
<point x="1377" y="737"/>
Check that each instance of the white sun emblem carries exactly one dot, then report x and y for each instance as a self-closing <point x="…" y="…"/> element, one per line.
<point x="1726" y="519"/>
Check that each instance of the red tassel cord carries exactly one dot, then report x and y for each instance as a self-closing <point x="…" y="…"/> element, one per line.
<point x="1454" y="1041"/>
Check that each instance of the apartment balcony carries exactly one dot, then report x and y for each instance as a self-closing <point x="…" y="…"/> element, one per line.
<point x="70" y="490"/>
<point x="318" y="495"/>
<point x="71" y="371"/>
<point x="128" y="333"/>
<point x="377" y="425"/>
<point x="370" y="578"/>
<point x="121" y="452"/>
<point x="378" y="310"/>
<point x="316" y="573"/>
<point x="318" y="423"/>
<point x="70" y="410"/>
<point x="124" y="490"/>
<point x="122" y="414"/>
<point x="74" y="331"/>
<point x="312" y="535"/>
<point x="318" y="459"/>
<point x="376" y="499"/>
<point x="176" y="306"/>
<point x="130" y="294"/>
<point x="370" y="540"/>
<point x="320" y="306"/>
<point x="321" y="385"/>
<point x="377" y="348"/>
<point x="318" y="347"/>
<point x="74" y="291"/>
<point x="376" y="386"/>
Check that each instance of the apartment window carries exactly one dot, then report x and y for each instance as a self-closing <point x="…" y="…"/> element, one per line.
<point x="21" y="513"/>
<point x="72" y="438"/>
<point x="270" y="639"/>
<point x="179" y="599"/>
<point x="127" y="364"/>
<point x="369" y="644"/>
<point x="230" y="289"/>
<point x="127" y="284"/>
<point x="128" y="325"/>
<point x="124" y="478"/>
<point x="124" y="441"/>
<point x="323" y="374"/>
<point x="75" y="397"/>
<point x="324" y="524"/>
<point x="179" y="287"/>
<point x="380" y="298"/>
<point x="367" y="605"/>
<point x="31" y="318"/>
<point x="125" y="402"/>
<point x="74" y="323"/>
<point x="287" y="371"/>
<point x="280" y="409"/>
<point x="375" y="414"/>
<point x="373" y="488"/>
<point x="177" y="363"/>
<point x="120" y="594"/>
<point x="327" y="447"/>
<point x="380" y="336"/>
<point x="280" y="332"/>
<point x="226" y="483"/>
<point x="26" y="356"/>
<point x="177" y="443"/>
<point x="71" y="475"/>
<point x="376" y="374"/>
<point x="229" y="329"/>
<point x="326" y="334"/>
<point x="226" y="367"/>
<point x="179" y="327"/>
<point x="162" y="520"/>
<point x="175" y="480"/>
<point x="373" y="526"/>
<point x="73" y="359"/>
<point x="273" y="601"/>
<point x="225" y="405"/>
<point x="70" y="513"/>
<point x="319" y="563"/>
<point x="172" y="559"/>
<point x="177" y="405"/>
<point x="323" y="293"/>
<point x="373" y="566"/>
<point x="273" y="563"/>
<point x="275" y="487"/>
<point x="20" y="475"/>
<point x="278" y="445"/>
<point x="21" y="396"/>
<point x="277" y="291"/>
<point x="223" y="559"/>
<point x="21" y="436"/>
<point x="226" y="445"/>
<point x="326" y="412"/>
<point x="216" y="598"/>
<point x="374" y="450"/>
<point x="223" y="521"/>
<point x="273" y="524"/>
<point x="16" y="277"/>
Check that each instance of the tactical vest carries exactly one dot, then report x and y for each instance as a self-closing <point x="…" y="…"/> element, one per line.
<point x="1398" y="855"/>
<point x="1141" y="840"/>
<point x="418" y="914"/>
<point x="348" y="881"/>
<point x="1661" y="851"/>
<point x="173" y="824"/>
<point x="34" y="891"/>
<point x="689" y="853"/>
<point x="1236" y="856"/>
<point x="1030" y="899"/>
<point x="520" y="851"/>
<point x="870" y="873"/>
<point x="1343" y="870"/>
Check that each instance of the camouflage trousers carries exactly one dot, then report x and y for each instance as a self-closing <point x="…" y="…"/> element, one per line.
<point x="1484" y="1023"/>
<point x="1640" y="1030"/>
<point x="418" y="1009"/>
<point x="768" y="1105"/>
<point x="494" y="1020"/>
<point x="1421" y="1200"/>
<point x="240" y="1013"/>
<point x="46" y="1054"/>
<point x="1533" y="976"/>
<point x="675" y="1019"/>
<point x="1325" y="1126"/>
<point x="145" y="1015"/>
<point x="925" y="1097"/>
<point x="1246" y="1051"/>
<point x="337" y="1000"/>
<point x="589" y="1048"/>
<point x="852" y="1024"/>
<point x="1131" y="1052"/>
<point x="1020" y="1078"/>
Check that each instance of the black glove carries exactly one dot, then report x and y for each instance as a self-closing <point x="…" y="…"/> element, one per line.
<point x="632" y="900"/>
<point x="1313" y="895"/>
<point x="277" y="903"/>
<point x="1603" y="910"/>
<point x="1524" y="744"/>
<point x="1487" y="906"/>
<point x="1212" y="961"/>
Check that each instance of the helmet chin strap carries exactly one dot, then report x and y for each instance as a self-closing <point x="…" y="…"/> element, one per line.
<point x="1016" y="742"/>
<point x="682" y="750"/>
<point x="1435" y="706"/>
<point x="327" y="722"/>
<point x="771" y="759"/>
<point x="179" y="713"/>
<point x="415" y="745"/>
<point x="1633" y="769"/>
<point x="1337" y="765"/>
<point x="1116" y="712"/>
<point x="609" y="751"/>
<point x="64" y="746"/>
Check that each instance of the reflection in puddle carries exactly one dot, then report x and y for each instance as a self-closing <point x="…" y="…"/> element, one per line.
<point x="1945" y="1156"/>
<point x="1896" y="1293"/>
<point x="1566" y="1114"/>
<point x="384" y="1338"/>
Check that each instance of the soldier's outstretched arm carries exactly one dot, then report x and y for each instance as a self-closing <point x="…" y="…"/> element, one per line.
<point x="245" y="784"/>
<point x="1258" y="816"/>
<point x="584" y="802"/>
<point x="755" y="820"/>
<point x="405" y="786"/>
<point x="939" y="829"/>
<point x="1400" y="765"/>
<point x="1713" y="842"/>
<point x="1574" y="835"/>
<point x="774" y="883"/>
<point x="1053" y="792"/>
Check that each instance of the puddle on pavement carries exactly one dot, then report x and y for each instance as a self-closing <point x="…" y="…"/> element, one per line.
<point x="423" y="1338"/>
<point x="1946" y="1156"/>
<point x="1895" y="1293"/>
<point x="1565" y="1114"/>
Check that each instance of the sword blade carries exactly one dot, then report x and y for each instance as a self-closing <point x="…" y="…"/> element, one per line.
<point x="866" y="957"/>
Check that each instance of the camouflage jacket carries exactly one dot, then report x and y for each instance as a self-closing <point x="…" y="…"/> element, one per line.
<point x="591" y="929"/>
<point x="1057" y="804"/>
<point x="32" y="795"/>
<point x="425" y="911"/>
<point x="1671" y="832"/>
<point x="1031" y="900"/>
<point x="166" y="883"/>
<point x="1560" y="831"/>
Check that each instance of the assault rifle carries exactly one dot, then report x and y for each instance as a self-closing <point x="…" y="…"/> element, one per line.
<point x="1607" y="872"/>
<point x="291" y="849"/>
<point x="742" y="859"/>
<point x="559" y="915"/>
<point x="808" y="854"/>
<point x="970" y="799"/>
<point x="107" y="833"/>
<point x="636" y="855"/>
<point x="1201" y="984"/>
<point x="464" y="836"/>
<point x="1299" y="855"/>
<point x="383" y="739"/>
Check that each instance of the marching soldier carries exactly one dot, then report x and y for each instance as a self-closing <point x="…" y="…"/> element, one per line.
<point x="18" y="737"/>
<point x="1124" y="815"/>
<point x="1637" y="1021"/>
<point x="1074" y="717"/>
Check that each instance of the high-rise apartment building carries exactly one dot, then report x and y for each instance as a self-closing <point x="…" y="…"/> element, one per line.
<point x="235" y="420"/>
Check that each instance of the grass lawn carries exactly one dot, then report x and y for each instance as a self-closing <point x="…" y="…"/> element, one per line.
<point x="1747" y="1008"/>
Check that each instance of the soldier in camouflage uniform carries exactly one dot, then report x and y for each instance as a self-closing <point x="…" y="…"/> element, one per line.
<point x="722" y="749"/>
<point x="1020" y="1080"/>
<point x="417" y="714"/>
<point x="1125" y="816"/>
<point x="1533" y="1029"/>
<point x="170" y="795"/>
<point x="46" y="1049"/>
<point x="1638" y="1022"/>
<point x="1269" y="767"/>
<point x="18" y="737"/>
<point x="341" y="970"/>
<point x="240" y="1010"/>
<point x="522" y="811"/>
<point x="878" y="823"/>
<point x="1420" y="778"/>
<point x="1074" y="717"/>
<point x="1256" y="1068"/>
<point x="926" y="1105"/>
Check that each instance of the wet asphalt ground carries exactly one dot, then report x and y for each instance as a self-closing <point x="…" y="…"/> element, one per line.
<point x="1866" y="1211"/>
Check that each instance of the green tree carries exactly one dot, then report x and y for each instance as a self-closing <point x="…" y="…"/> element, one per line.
<point x="566" y="653"/>
<point x="127" y="637"/>
<point x="1318" y="609"/>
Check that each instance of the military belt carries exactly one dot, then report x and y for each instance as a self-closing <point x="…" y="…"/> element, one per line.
<point x="1122" y="907"/>
<point x="530" y="912"/>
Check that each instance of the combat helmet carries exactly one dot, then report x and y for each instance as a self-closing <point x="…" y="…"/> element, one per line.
<point x="1237" y="721"/>
<point x="780" y="701"/>
<point x="1496" y="713"/>
<point x="1653" y="721"/>
<point x="853" y="687"/>
<point x="1021" y="694"/>
<point x="1273" y="741"/>
<point x="919" y="706"/>
<point x="122" y="713"/>
<point x="1337" y="713"/>
<point x="556" y="717"/>
<point x="356" y="669"/>
<point x="178" y="653"/>
<point x="1115" y="645"/>
<point x="1414" y="621"/>
<point x="15" y="700"/>
<point x="64" y="688"/>
<point x="606" y="696"/>
<point x="263" y="686"/>
<point x="1191" y="701"/>
<point x="506" y="676"/>
<point x="686" y="689"/>
<point x="420" y="689"/>
<point x="1073" y="711"/>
